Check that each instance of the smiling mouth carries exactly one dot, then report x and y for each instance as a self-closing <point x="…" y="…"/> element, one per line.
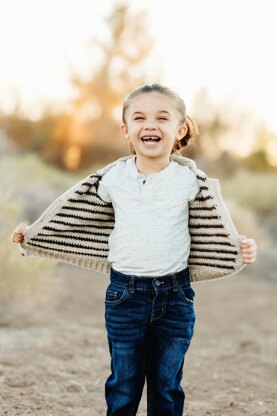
<point x="150" y="139"/>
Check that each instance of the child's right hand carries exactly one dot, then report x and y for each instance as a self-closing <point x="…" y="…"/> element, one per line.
<point x="18" y="234"/>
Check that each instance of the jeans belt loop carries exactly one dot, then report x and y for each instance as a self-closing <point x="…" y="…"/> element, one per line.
<point x="175" y="283"/>
<point x="132" y="284"/>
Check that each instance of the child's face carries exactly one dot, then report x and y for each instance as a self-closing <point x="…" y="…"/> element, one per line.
<point x="153" y="115"/>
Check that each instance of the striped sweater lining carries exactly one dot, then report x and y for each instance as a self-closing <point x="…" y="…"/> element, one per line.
<point x="219" y="267"/>
<point x="70" y="224"/>
<point x="71" y="251"/>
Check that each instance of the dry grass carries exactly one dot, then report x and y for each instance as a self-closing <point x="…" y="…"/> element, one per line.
<point x="27" y="285"/>
<point x="254" y="191"/>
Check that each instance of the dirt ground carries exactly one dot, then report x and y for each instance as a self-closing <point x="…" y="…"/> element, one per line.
<point x="57" y="365"/>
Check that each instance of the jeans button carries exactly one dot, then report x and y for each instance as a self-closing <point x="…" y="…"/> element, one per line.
<point x="157" y="283"/>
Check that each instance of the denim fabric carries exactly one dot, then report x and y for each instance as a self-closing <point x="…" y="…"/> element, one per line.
<point x="150" y="323"/>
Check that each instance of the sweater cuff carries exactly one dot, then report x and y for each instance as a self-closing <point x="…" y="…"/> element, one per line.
<point x="22" y="249"/>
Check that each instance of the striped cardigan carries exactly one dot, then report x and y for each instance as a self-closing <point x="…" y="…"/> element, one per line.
<point x="75" y="228"/>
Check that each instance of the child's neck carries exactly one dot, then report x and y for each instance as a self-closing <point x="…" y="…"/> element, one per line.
<point x="147" y="166"/>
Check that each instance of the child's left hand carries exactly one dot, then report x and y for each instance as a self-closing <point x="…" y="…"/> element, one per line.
<point x="248" y="249"/>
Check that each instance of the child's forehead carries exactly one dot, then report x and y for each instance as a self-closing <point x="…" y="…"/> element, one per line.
<point x="152" y="101"/>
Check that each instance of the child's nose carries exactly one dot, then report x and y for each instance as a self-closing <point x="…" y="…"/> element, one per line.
<point x="150" y="125"/>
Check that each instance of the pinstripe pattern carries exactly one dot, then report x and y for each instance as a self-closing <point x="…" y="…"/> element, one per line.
<point x="76" y="227"/>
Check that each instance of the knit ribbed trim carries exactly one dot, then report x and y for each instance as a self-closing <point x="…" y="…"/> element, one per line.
<point x="102" y="266"/>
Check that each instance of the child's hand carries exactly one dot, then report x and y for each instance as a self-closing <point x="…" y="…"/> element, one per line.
<point x="249" y="249"/>
<point x="18" y="234"/>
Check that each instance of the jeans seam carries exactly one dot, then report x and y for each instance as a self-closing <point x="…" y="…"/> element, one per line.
<point x="136" y="404"/>
<point x="189" y="301"/>
<point x="163" y="308"/>
<point x="133" y="408"/>
<point x="149" y="396"/>
<point x="118" y="285"/>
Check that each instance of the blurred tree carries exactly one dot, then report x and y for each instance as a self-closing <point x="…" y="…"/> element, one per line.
<point x="212" y="125"/>
<point x="257" y="160"/>
<point x="90" y="133"/>
<point x="224" y="133"/>
<point x="264" y="154"/>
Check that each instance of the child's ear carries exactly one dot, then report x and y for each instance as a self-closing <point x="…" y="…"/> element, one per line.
<point x="182" y="132"/>
<point x="124" y="131"/>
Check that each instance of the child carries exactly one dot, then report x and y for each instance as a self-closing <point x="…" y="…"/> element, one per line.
<point x="156" y="223"/>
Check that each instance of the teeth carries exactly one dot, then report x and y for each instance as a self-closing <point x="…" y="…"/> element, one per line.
<point x="150" y="138"/>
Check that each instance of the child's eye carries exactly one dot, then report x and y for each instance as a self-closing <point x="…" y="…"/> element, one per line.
<point x="142" y="118"/>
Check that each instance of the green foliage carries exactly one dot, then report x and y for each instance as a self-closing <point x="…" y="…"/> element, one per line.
<point x="255" y="190"/>
<point x="257" y="161"/>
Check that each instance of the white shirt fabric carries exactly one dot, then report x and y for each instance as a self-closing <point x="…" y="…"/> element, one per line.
<point x="150" y="236"/>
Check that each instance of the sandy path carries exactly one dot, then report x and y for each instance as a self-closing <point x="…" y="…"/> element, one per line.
<point x="59" y="365"/>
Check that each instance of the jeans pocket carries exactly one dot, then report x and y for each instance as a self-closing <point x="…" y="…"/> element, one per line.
<point x="188" y="294"/>
<point x="115" y="295"/>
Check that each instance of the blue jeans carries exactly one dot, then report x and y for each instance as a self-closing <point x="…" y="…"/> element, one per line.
<point x="150" y="323"/>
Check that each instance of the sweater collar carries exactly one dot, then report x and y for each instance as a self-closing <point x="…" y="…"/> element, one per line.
<point x="184" y="161"/>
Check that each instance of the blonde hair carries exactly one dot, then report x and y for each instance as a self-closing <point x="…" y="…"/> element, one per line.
<point x="185" y="120"/>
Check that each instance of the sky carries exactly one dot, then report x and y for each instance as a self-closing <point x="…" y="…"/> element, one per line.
<point x="225" y="46"/>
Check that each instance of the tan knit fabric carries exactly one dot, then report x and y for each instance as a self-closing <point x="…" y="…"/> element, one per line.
<point x="75" y="228"/>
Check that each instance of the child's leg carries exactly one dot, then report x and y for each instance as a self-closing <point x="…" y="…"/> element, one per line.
<point x="149" y="326"/>
<point x="167" y="342"/>
<point x="124" y="386"/>
<point x="126" y="324"/>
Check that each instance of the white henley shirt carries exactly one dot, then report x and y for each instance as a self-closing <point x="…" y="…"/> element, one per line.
<point x="150" y="237"/>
